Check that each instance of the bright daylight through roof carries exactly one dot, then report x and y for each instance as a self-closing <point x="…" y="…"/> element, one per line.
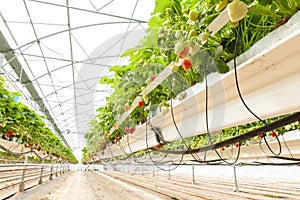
<point x="64" y="48"/>
<point x="149" y="99"/>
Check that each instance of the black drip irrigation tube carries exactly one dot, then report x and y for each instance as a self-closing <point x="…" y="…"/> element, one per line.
<point x="269" y="127"/>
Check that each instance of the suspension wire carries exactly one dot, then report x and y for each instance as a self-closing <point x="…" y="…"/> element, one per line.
<point x="243" y="101"/>
<point x="287" y="146"/>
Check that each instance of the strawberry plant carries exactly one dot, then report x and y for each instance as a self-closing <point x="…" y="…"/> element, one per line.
<point x="178" y="33"/>
<point x="27" y="127"/>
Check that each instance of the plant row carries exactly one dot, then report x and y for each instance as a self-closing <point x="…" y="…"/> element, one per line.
<point x="19" y="123"/>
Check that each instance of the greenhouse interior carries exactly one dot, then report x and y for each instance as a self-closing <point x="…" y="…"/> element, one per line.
<point x="156" y="99"/>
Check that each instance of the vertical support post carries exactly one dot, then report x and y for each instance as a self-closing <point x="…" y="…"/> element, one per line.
<point x="22" y="185"/>
<point x="41" y="174"/>
<point x="169" y="172"/>
<point x="56" y="170"/>
<point x="142" y="170"/>
<point x="193" y="175"/>
<point x="51" y="172"/>
<point x="153" y="171"/>
<point x="235" y="179"/>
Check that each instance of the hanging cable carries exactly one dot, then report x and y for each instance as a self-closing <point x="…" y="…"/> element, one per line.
<point x="207" y="126"/>
<point x="179" y="133"/>
<point x="242" y="99"/>
<point x="155" y="163"/>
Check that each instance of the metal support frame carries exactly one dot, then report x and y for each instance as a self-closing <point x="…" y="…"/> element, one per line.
<point x="235" y="179"/>
<point x="193" y="174"/>
<point x="51" y="173"/>
<point x="22" y="185"/>
<point x="22" y="75"/>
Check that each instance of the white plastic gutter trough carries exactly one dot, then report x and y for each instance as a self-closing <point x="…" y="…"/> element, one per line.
<point x="269" y="79"/>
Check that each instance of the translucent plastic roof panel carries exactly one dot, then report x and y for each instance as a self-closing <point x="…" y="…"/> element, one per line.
<point x="64" y="47"/>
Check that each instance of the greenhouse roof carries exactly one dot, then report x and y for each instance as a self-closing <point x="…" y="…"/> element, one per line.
<point x="56" y="51"/>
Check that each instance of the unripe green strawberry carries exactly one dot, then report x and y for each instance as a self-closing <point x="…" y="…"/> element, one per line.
<point x="220" y="6"/>
<point x="203" y="37"/>
<point x="185" y="11"/>
<point x="236" y="10"/>
<point x="182" y="95"/>
<point x="178" y="34"/>
<point x="164" y="109"/>
<point x="179" y="47"/>
<point x="167" y="23"/>
<point x="192" y="33"/>
<point x="233" y="24"/>
<point x="194" y="15"/>
<point x="174" y="67"/>
<point x="146" y="99"/>
<point x="169" y="10"/>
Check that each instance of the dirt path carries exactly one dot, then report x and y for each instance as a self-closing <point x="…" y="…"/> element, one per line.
<point x="85" y="185"/>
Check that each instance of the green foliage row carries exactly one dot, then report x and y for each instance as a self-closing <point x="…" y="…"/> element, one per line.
<point x="22" y="124"/>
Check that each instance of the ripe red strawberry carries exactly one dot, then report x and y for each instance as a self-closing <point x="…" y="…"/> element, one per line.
<point x="158" y="146"/>
<point x="95" y="154"/>
<point x="131" y="130"/>
<point x="126" y="130"/>
<point x="223" y="148"/>
<point x="126" y="107"/>
<point x="152" y="77"/>
<point x="39" y="148"/>
<point x="273" y="134"/>
<point x="118" y="139"/>
<point x="236" y="144"/>
<point x="30" y="145"/>
<point x="141" y="103"/>
<point x="187" y="64"/>
<point x="261" y="135"/>
<point x="115" y="126"/>
<point x="102" y="153"/>
<point x="10" y="132"/>
<point x="184" y="53"/>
